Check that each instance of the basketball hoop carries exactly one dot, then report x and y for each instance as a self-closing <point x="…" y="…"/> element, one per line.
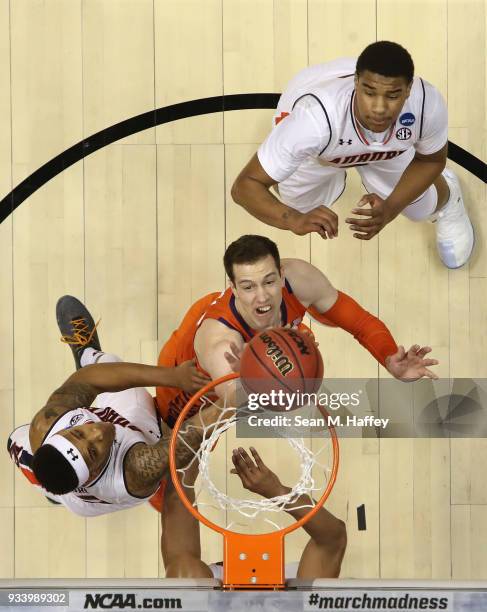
<point x="250" y="560"/>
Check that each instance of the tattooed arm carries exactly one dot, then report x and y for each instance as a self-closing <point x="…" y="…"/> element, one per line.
<point x="81" y="388"/>
<point x="146" y="465"/>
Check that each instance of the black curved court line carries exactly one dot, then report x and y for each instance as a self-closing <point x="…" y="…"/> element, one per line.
<point x="167" y="114"/>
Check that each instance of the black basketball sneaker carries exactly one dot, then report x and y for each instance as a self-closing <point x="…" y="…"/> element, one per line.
<point x="77" y="326"/>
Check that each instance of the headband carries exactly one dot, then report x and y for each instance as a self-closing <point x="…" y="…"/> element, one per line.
<point x="72" y="418"/>
<point x="72" y="455"/>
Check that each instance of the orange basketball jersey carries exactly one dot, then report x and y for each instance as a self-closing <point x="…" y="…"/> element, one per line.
<point x="220" y="306"/>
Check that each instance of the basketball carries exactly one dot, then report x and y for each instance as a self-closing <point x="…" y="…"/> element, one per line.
<point x="281" y="359"/>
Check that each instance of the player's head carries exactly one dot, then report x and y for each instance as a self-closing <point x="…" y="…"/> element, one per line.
<point x="383" y="79"/>
<point x="73" y="457"/>
<point x="253" y="266"/>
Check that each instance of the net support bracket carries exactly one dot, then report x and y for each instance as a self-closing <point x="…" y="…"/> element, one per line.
<point x="253" y="561"/>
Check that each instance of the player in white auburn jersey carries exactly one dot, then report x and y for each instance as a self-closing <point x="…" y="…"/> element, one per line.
<point x="111" y="456"/>
<point x="371" y="114"/>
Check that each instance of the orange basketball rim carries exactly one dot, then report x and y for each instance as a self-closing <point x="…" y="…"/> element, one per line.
<point x="248" y="555"/>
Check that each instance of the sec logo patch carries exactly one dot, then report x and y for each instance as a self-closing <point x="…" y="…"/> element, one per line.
<point x="403" y="134"/>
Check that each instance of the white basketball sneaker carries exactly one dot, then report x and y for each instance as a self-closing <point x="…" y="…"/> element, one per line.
<point x="454" y="232"/>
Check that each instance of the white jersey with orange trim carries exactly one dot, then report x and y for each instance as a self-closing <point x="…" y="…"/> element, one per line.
<point x="108" y="493"/>
<point x="315" y="118"/>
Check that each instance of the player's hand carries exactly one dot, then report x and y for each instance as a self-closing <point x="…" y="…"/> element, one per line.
<point x="321" y="220"/>
<point x="255" y="475"/>
<point x="372" y="219"/>
<point x="411" y="365"/>
<point x="304" y="329"/>
<point x="233" y="356"/>
<point x="189" y="378"/>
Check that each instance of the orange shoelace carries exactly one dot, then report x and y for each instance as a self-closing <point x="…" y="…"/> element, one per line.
<point x="82" y="334"/>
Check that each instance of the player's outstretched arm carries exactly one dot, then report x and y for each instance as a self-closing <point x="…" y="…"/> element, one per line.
<point x="374" y="335"/>
<point x="323" y="555"/>
<point x="213" y="344"/>
<point x="302" y="135"/>
<point x="82" y="387"/>
<point x="113" y="377"/>
<point x="416" y="179"/>
<point x="251" y="191"/>
<point x="331" y="307"/>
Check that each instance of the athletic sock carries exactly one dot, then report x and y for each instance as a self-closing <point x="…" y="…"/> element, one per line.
<point x="91" y="356"/>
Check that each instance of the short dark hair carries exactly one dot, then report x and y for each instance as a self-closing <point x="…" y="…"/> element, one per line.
<point x="247" y="250"/>
<point x="53" y="471"/>
<point x="387" y="59"/>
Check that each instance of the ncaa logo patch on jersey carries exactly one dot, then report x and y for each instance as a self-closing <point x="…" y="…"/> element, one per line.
<point x="403" y="134"/>
<point x="76" y="419"/>
<point x="407" y="119"/>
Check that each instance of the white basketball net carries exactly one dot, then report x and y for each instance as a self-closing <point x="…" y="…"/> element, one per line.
<point x="310" y="463"/>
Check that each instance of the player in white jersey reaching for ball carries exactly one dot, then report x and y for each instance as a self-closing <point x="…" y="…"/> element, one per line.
<point x="372" y="114"/>
<point x="114" y="455"/>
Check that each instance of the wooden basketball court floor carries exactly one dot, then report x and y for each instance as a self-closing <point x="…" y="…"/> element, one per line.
<point x="138" y="229"/>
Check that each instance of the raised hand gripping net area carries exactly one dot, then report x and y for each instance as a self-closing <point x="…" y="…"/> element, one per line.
<point x="306" y="453"/>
